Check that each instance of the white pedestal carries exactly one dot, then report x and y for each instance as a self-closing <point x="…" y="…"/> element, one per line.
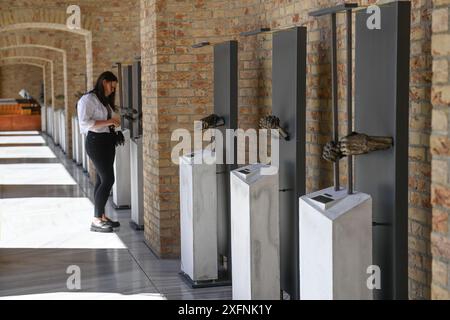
<point x="255" y="244"/>
<point x="122" y="185"/>
<point x="74" y="141"/>
<point x="137" y="184"/>
<point x="198" y="217"/>
<point x="56" y="127"/>
<point x="83" y="152"/>
<point x="335" y="245"/>
<point x="50" y="123"/>
<point x="43" y="119"/>
<point x="62" y="130"/>
<point x="78" y="143"/>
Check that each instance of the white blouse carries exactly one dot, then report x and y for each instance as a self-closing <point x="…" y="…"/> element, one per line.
<point x="89" y="110"/>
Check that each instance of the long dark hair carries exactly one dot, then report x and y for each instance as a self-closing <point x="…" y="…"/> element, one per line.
<point x="100" y="91"/>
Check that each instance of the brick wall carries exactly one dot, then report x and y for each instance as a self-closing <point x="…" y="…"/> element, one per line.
<point x="14" y="78"/>
<point x="183" y="79"/>
<point x="440" y="150"/>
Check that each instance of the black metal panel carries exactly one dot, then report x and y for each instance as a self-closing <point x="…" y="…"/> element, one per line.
<point x="225" y="105"/>
<point x="381" y="108"/>
<point x="137" y="100"/>
<point x="127" y="95"/>
<point x="289" y="104"/>
<point x="225" y="82"/>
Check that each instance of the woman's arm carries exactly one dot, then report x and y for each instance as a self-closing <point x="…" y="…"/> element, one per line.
<point x="102" y="123"/>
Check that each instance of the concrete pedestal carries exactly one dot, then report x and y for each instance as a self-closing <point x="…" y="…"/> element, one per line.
<point x="56" y="127"/>
<point x="198" y="217"/>
<point x="335" y="245"/>
<point x="73" y="134"/>
<point x="78" y="144"/>
<point x="49" y="124"/>
<point x="255" y="243"/>
<point x="62" y="130"/>
<point x="84" y="160"/>
<point x="137" y="186"/>
<point x="43" y="118"/>
<point x="122" y="185"/>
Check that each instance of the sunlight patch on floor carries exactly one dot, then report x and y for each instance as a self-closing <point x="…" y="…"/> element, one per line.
<point x="35" y="174"/>
<point x="51" y="223"/>
<point x="87" y="296"/>
<point x="21" y="140"/>
<point x="8" y="133"/>
<point x="26" y="152"/>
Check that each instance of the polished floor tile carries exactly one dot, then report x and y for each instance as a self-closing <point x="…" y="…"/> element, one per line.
<point x="28" y="160"/>
<point x="36" y="191"/>
<point x="88" y="296"/>
<point x="22" y="145"/>
<point x="48" y="270"/>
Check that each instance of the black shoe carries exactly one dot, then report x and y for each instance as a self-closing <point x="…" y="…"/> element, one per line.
<point x="101" y="226"/>
<point x="112" y="224"/>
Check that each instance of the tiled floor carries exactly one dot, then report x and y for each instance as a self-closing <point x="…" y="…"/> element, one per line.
<point x="44" y="229"/>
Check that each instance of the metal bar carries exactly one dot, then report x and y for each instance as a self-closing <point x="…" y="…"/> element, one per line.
<point x="225" y="105"/>
<point x="333" y="10"/>
<point x="201" y="44"/>
<point x="119" y="77"/>
<point x="349" y="98"/>
<point x="334" y="84"/>
<point x="254" y="32"/>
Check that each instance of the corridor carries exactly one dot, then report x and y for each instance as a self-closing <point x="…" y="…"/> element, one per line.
<point x="45" y="214"/>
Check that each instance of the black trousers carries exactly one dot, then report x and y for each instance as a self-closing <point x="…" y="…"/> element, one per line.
<point x="101" y="149"/>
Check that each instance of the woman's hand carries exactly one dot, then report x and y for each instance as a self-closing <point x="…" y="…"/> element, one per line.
<point x="115" y="121"/>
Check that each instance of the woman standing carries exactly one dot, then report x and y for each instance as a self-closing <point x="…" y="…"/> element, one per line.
<point x="97" y="119"/>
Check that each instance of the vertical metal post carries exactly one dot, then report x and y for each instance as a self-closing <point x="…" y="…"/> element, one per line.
<point x="349" y="98"/>
<point x="334" y="84"/>
<point x="119" y="77"/>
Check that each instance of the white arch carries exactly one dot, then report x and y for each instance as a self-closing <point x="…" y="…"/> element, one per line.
<point x="64" y="56"/>
<point x="41" y="59"/>
<point x="41" y="66"/>
<point x="87" y="34"/>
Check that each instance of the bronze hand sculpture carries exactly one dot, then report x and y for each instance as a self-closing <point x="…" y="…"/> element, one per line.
<point x="332" y="152"/>
<point x="212" y="121"/>
<point x="355" y="144"/>
<point x="360" y="143"/>
<point x="273" y="122"/>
